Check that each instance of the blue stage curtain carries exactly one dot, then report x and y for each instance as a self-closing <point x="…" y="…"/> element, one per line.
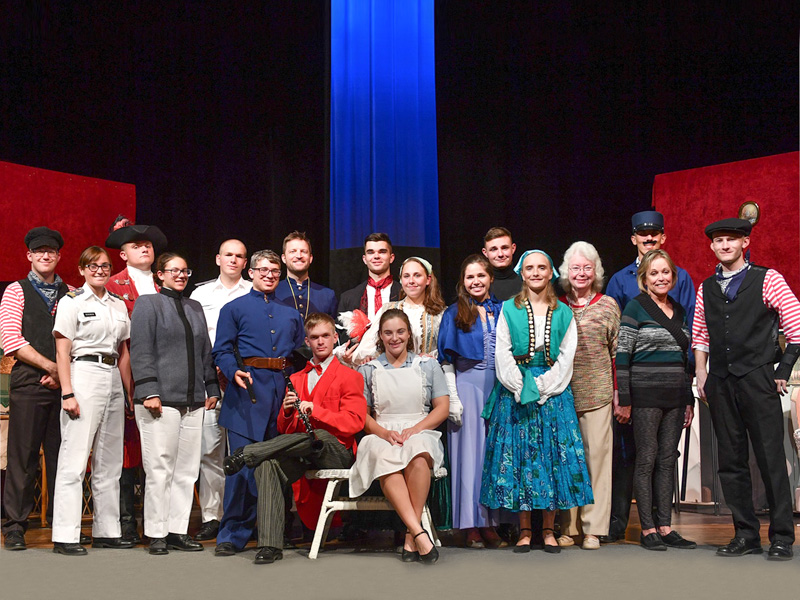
<point x="383" y="123"/>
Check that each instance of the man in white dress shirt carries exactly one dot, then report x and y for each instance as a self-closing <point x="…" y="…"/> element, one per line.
<point x="213" y="295"/>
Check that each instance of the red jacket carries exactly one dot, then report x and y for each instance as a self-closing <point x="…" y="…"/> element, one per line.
<point x="122" y="285"/>
<point x="339" y="408"/>
<point x="339" y="404"/>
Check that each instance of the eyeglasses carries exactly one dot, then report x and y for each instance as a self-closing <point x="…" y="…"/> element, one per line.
<point x="584" y="269"/>
<point x="40" y="252"/>
<point x="176" y="272"/>
<point x="94" y="268"/>
<point x="267" y="271"/>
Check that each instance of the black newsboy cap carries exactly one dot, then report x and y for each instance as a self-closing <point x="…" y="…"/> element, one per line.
<point x="740" y="226"/>
<point x="43" y="236"/>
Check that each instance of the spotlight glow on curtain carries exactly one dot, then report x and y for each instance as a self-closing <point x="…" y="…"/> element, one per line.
<point x="383" y="123"/>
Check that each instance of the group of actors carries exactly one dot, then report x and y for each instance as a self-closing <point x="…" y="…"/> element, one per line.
<point x="534" y="396"/>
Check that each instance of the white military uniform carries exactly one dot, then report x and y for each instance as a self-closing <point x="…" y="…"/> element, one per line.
<point x="213" y="295"/>
<point x="96" y="327"/>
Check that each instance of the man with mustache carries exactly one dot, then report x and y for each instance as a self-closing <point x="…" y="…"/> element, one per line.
<point x="648" y="234"/>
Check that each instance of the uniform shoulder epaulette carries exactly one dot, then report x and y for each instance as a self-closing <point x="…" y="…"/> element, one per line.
<point x="75" y="292"/>
<point x="117" y="296"/>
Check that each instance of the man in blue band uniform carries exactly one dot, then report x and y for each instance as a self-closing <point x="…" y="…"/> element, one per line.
<point x="297" y="290"/>
<point x="648" y="234"/>
<point x="265" y="332"/>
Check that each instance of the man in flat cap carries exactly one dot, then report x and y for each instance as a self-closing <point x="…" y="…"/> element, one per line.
<point x="138" y="246"/>
<point x="735" y="340"/>
<point x="27" y="314"/>
<point x="648" y="234"/>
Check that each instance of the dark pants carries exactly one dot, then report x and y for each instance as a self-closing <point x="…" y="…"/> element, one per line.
<point x="127" y="499"/>
<point x="281" y="461"/>
<point x="624" y="461"/>
<point x="239" y="501"/>
<point x="657" y="432"/>
<point x="33" y="422"/>
<point x="742" y="406"/>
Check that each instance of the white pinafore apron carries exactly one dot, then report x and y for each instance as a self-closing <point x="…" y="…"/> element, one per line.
<point x="400" y="401"/>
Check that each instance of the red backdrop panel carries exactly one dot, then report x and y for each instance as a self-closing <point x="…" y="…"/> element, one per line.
<point x="692" y="199"/>
<point x="81" y="208"/>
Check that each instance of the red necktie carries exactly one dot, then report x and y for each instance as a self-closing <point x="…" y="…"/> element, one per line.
<point x="379" y="285"/>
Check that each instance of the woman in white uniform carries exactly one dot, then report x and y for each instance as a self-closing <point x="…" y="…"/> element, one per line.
<point x="91" y="327"/>
<point x="408" y="398"/>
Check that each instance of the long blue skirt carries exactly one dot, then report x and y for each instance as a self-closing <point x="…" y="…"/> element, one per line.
<point x="534" y="455"/>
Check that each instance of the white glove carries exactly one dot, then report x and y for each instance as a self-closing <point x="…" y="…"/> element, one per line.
<point x="456" y="408"/>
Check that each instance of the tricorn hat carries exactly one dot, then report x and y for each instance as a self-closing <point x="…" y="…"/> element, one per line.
<point x="137" y="233"/>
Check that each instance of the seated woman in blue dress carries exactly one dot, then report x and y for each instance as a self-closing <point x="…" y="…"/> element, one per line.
<point x="534" y="450"/>
<point x="407" y="398"/>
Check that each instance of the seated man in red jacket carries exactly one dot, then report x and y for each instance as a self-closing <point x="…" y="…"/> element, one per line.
<point x="332" y="398"/>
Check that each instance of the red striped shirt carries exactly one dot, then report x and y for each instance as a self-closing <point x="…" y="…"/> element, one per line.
<point x="777" y="296"/>
<point x="11" y="308"/>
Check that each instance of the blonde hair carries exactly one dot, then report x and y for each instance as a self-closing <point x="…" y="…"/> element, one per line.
<point x="644" y="266"/>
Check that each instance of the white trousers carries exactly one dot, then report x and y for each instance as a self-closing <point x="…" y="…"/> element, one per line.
<point x="211" y="483"/>
<point x="99" y="429"/>
<point x="171" y="460"/>
<point x="598" y="445"/>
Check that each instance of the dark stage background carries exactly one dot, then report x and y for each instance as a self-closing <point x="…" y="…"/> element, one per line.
<point x="552" y="120"/>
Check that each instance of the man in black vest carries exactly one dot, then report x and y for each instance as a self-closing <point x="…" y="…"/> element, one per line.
<point x="27" y="313"/>
<point x="737" y="315"/>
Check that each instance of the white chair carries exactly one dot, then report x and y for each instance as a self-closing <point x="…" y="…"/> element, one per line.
<point x="333" y="502"/>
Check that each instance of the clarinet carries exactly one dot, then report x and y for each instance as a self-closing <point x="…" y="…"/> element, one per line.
<point x="316" y="443"/>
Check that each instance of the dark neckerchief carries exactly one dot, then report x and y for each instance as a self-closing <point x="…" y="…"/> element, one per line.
<point x="673" y="325"/>
<point x="491" y="305"/>
<point x="48" y="291"/>
<point x="730" y="285"/>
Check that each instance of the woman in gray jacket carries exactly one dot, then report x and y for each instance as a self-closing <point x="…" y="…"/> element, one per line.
<point x="174" y="381"/>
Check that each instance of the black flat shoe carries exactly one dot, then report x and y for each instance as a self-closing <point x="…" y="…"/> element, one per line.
<point x="267" y="555"/>
<point x="207" y="531"/>
<point x="409" y="556"/>
<point x="652" y="541"/>
<point x="547" y="547"/>
<point x="85" y="540"/>
<point x="523" y="548"/>
<point x="234" y="463"/>
<point x="611" y="538"/>
<point x="15" y="540"/>
<point x="118" y="543"/>
<point x="158" y="547"/>
<point x="432" y="556"/>
<point x="225" y="549"/>
<point x="674" y="540"/>
<point x="69" y="549"/>
<point x="739" y="547"/>
<point x="182" y="541"/>
<point x="780" y="550"/>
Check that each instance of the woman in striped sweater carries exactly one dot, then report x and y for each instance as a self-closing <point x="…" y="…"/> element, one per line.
<point x="653" y="378"/>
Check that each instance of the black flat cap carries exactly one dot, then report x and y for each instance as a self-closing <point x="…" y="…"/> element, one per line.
<point x="738" y="226"/>
<point x="43" y="236"/>
<point x="137" y="233"/>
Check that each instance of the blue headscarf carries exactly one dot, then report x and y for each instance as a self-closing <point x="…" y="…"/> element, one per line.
<point x="518" y="268"/>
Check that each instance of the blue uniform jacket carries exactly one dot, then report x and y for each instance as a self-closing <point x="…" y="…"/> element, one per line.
<point x="323" y="300"/>
<point x="262" y="327"/>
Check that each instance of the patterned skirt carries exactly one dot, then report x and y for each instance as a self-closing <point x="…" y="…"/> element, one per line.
<point x="534" y="455"/>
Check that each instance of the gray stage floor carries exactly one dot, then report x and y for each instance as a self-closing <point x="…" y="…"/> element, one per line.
<point x="617" y="571"/>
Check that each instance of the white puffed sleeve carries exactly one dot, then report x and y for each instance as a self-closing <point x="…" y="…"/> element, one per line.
<point x="556" y="380"/>
<point x="507" y="370"/>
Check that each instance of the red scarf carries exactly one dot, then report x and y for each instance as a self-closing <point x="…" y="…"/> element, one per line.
<point x="383" y="283"/>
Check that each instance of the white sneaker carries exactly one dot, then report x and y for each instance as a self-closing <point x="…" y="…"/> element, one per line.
<point x="565" y="541"/>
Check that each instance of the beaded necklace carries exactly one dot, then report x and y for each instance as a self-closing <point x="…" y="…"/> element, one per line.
<point x="532" y="332"/>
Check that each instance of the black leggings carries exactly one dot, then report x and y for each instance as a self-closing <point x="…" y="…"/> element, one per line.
<point x="657" y="432"/>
